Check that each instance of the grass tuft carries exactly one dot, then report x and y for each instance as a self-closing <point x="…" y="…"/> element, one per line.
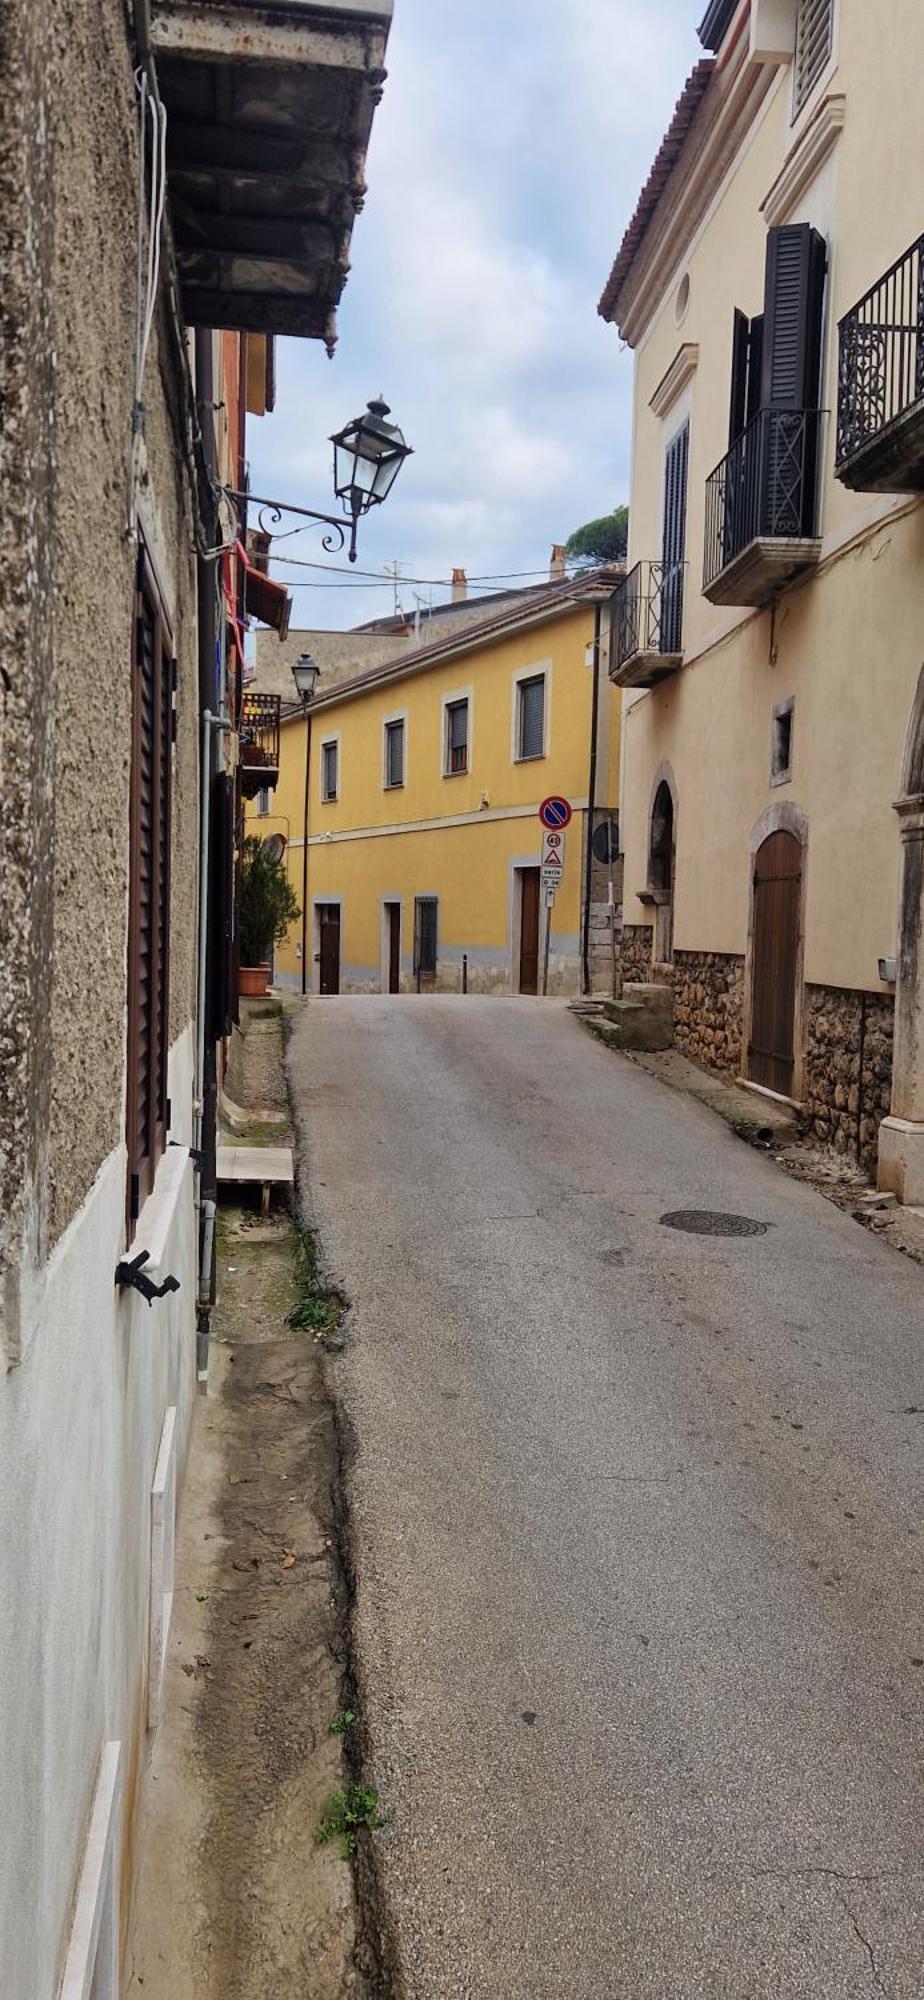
<point x="345" y="1814"/>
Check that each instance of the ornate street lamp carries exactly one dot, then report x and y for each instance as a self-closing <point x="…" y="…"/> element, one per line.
<point x="368" y="456"/>
<point x="305" y="674"/>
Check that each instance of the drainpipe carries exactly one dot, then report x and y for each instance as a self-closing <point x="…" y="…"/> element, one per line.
<point x="210" y="690"/>
<point x="591" y="799"/>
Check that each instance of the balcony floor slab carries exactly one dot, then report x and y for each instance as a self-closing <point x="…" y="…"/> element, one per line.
<point x="643" y="670"/>
<point x="762" y="569"/>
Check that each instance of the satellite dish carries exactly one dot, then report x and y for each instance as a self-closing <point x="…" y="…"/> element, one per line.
<point x="605" y="842"/>
<point x="275" y="844"/>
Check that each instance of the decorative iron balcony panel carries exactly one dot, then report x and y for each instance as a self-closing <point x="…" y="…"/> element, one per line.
<point x="646" y="624"/>
<point x="762" y="510"/>
<point x="880" y="399"/>
<point x="259" y="742"/>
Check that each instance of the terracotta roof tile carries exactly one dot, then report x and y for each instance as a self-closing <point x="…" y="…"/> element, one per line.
<point x="668" y="154"/>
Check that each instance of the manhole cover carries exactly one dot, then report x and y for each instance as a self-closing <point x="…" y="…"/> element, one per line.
<point x="706" y="1222"/>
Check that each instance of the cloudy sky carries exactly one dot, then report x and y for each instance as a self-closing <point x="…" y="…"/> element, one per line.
<point x="506" y="158"/>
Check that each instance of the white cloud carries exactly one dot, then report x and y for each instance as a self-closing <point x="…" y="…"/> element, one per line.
<point x="506" y="158"/>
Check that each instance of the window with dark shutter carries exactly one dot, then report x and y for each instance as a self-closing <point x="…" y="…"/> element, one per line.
<point x="425" y="937"/>
<point x="456" y="737"/>
<point x="153" y="676"/>
<point x="329" y="771"/>
<point x="394" y="753"/>
<point x="814" y="35"/>
<point x="790" y="377"/>
<point x="531" y="716"/>
<point x="674" y="536"/>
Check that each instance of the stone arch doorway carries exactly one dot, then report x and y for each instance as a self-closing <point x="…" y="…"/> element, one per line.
<point x="662" y="858"/>
<point x="901" y="1135"/>
<point x="774" y="1025"/>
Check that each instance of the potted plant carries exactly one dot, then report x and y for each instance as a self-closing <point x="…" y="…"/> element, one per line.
<point x="267" y="905"/>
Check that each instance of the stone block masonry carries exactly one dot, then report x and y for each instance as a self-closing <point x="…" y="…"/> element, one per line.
<point x="636" y="951"/>
<point x="848" y="1069"/>
<point x="708" y="1008"/>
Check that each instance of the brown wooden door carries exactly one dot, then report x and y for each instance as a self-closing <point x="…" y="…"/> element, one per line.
<point x="529" y="930"/>
<point x="329" y="938"/>
<point x="777" y="903"/>
<point x="394" y="947"/>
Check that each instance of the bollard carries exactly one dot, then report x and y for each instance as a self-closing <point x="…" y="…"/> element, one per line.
<point x="465" y="972"/>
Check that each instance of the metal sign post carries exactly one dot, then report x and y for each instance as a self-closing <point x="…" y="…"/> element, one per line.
<point x="554" y="815"/>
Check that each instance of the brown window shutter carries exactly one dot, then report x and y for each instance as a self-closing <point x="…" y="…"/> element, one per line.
<point x="149" y="887"/>
<point x="793" y="313"/>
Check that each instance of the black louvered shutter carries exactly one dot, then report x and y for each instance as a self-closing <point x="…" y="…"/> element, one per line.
<point x="737" y="418"/>
<point x="791" y="368"/>
<point x="673" y="545"/>
<point x="153" y="671"/>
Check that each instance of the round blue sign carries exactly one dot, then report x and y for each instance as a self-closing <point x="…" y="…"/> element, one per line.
<point x="555" y="813"/>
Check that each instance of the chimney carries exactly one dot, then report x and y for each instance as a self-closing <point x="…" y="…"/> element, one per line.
<point x="459" y="586"/>
<point x="557" y="572"/>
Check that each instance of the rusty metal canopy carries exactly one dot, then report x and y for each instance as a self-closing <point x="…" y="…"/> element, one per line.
<point x="269" y="111"/>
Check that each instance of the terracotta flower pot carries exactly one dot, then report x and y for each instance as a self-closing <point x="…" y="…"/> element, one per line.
<point x="252" y="981"/>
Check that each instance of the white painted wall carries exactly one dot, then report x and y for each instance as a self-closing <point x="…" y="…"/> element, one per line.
<point x="80" y="1427"/>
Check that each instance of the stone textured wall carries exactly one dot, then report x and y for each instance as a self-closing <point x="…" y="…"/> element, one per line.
<point x="708" y="1007"/>
<point x="27" y="671"/>
<point x="637" y="947"/>
<point x="848" y="1069"/>
<point x="93" y="304"/>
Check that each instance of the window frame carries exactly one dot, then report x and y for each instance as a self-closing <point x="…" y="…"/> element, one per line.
<point x="784" y="710"/>
<point x="540" y="671"/>
<point x="390" y="723"/>
<point x="146" y="1135"/>
<point x="329" y="743"/>
<point x="458" y="698"/>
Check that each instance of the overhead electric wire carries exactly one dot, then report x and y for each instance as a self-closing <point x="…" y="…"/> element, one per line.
<point x="388" y="576"/>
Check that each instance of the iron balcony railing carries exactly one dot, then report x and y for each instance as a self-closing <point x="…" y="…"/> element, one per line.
<point x="648" y="612"/>
<point x="881" y="359"/>
<point x="765" y="487"/>
<point x="259" y="741"/>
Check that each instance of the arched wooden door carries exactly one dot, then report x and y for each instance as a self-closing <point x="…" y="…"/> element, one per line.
<point x="775" y="959"/>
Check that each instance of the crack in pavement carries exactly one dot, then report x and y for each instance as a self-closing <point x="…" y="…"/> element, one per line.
<point x="864" y="1941"/>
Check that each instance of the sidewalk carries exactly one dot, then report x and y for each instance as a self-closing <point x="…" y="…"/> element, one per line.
<point x="773" y="1127"/>
<point x="235" y="1899"/>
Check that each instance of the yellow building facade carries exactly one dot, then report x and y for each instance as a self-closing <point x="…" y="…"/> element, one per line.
<point x="426" y="775"/>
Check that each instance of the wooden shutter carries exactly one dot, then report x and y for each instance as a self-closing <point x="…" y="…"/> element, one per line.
<point x="794" y="295"/>
<point x="814" y="32"/>
<point x="737" y="416"/>
<point x="674" y="537"/>
<point x="457" y="717"/>
<point x="149" y="887"/>
<point x="532" y="717"/>
<point x="790" y="375"/>
<point x="425" y="937"/>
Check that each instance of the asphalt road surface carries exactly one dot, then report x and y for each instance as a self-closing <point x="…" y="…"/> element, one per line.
<point x="637" y="1520"/>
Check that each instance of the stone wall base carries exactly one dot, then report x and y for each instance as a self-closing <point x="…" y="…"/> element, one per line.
<point x="847" y="1086"/>
<point x="708" y="1007"/>
<point x="636" y="952"/>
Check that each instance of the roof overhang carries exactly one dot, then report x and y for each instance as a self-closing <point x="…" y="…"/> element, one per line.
<point x="269" y="111"/>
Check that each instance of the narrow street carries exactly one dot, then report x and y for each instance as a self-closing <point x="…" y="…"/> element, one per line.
<point x="636" y="1522"/>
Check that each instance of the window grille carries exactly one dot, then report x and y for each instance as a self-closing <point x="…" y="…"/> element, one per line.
<point x="329" y="773"/>
<point x="531" y="730"/>
<point x="394" y="753"/>
<point x="457" y="736"/>
<point x="153" y="681"/>
<point x="814" y="34"/>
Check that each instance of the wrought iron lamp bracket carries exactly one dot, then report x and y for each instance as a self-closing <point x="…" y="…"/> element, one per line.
<point x="271" y="512"/>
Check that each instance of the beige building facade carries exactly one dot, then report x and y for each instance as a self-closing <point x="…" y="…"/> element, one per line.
<point x="770" y="634"/>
